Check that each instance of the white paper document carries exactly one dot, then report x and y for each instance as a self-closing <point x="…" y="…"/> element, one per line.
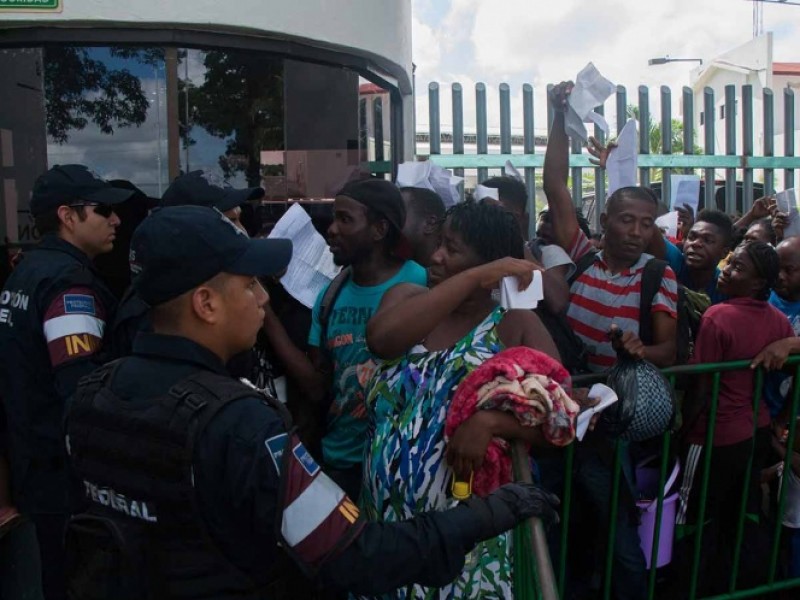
<point x="482" y="192"/>
<point x="624" y="159"/>
<point x="591" y="90"/>
<point x="684" y="189"/>
<point x="669" y="222"/>
<point x="787" y="203"/>
<point x="512" y="297"/>
<point x="311" y="268"/>
<point x="511" y="171"/>
<point x="430" y="176"/>
<point x="607" y="398"/>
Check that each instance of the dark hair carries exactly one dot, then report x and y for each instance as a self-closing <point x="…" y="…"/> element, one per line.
<point x="486" y="228"/>
<point x="392" y="233"/>
<point x="766" y="223"/>
<point x="48" y="222"/>
<point x="583" y="222"/>
<point x="424" y="202"/>
<point x="720" y="220"/>
<point x="634" y="192"/>
<point x="510" y="189"/>
<point x="767" y="264"/>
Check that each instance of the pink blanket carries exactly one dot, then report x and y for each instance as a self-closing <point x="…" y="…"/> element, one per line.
<point x="529" y="384"/>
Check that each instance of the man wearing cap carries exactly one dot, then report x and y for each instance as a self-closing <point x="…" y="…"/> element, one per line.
<point x="53" y="315"/>
<point x="366" y="236"/>
<point x="196" y="482"/>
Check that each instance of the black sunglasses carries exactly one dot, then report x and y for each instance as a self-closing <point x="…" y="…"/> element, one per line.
<point x="104" y="210"/>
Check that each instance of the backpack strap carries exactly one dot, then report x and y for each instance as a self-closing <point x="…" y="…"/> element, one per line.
<point x="584" y="262"/>
<point x="652" y="276"/>
<point x="329" y="299"/>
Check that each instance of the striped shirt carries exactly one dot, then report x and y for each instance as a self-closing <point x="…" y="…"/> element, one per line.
<point x="599" y="298"/>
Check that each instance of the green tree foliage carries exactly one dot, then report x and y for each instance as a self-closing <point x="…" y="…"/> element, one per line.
<point x="241" y="101"/>
<point x="80" y="90"/>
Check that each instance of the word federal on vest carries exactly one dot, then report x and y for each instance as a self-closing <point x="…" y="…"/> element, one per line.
<point x="105" y="496"/>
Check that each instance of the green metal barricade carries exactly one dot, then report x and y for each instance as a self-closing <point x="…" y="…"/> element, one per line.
<point x="528" y="579"/>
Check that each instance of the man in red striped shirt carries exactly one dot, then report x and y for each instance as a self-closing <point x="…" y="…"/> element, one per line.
<point x="607" y="294"/>
<point x="604" y="297"/>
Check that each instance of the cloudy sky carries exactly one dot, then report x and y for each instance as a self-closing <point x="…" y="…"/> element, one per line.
<point x="521" y="41"/>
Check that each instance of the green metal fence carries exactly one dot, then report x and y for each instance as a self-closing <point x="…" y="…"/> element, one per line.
<point x="684" y="158"/>
<point x="770" y="584"/>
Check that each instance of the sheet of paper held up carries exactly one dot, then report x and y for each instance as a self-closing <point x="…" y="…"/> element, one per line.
<point x="624" y="159"/>
<point x="607" y="398"/>
<point x="787" y="203"/>
<point x="591" y="90"/>
<point x="684" y="189"/>
<point x="512" y="297"/>
<point x="311" y="268"/>
<point x="669" y="222"/>
<point x="430" y="176"/>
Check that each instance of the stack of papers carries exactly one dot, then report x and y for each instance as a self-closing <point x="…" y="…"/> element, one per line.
<point x="311" y="268"/>
<point x="512" y="297"/>
<point x="430" y="176"/>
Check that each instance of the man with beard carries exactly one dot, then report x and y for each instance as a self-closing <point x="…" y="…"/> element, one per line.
<point x="366" y="233"/>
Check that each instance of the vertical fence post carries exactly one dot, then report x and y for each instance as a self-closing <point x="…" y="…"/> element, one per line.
<point x="482" y="135"/>
<point x="769" y="139"/>
<point x="577" y="175"/>
<point x="458" y="127"/>
<point x="730" y="148"/>
<point x="599" y="174"/>
<point x="747" y="145"/>
<point x="688" y="123"/>
<point x="708" y="137"/>
<point x="788" y="134"/>
<point x="505" y="120"/>
<point x="529" y="147"/>
<point x="435" y="132"/>
<point x="644" y="132"/>
<point x="377" y="120"/>
<point x="666" y="141"/>
<point x="622" y="118"/>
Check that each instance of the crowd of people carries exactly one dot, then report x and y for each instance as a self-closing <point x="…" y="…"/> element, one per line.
<point x="198" y="433"/>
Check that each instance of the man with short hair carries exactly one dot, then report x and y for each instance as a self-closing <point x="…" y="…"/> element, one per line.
<point x="707" y="242"/>
<point x="53" y="314"/>
<point x="424" y="215"/>
<point x="365" y="237"/>
<point x="195" y="483"/>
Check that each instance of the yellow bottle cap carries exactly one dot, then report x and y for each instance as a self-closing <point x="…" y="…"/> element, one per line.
<point x="461" y="490"/>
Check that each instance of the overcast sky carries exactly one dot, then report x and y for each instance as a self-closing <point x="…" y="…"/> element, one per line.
<point x="522" y="41"/>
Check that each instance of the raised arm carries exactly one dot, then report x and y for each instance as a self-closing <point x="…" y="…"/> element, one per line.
<point x="556" y="171"/>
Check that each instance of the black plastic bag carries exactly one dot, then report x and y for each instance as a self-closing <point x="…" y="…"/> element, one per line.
<point x="646" y="405"/>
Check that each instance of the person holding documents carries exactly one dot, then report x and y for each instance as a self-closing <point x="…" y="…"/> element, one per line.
<point x="430" y="340"/>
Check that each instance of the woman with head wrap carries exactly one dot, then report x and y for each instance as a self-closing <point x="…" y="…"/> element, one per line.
<point x="736" y="329"/>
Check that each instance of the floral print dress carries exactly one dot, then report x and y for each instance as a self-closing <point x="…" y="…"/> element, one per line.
<point x="405" y="472"/>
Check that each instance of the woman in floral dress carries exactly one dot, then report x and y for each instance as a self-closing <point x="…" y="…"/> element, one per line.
<point x="430" y="340"/>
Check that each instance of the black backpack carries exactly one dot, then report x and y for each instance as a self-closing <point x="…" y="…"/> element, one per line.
<point x="572" y="349"/>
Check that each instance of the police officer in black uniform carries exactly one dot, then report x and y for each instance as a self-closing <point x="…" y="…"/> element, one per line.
<point x="196" y="484"/>
<point x="53" y="315"/>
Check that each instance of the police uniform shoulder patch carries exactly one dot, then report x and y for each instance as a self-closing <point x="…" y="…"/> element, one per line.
<point x="305" y="459"/>
<point x="79" y="304"/>
<point x="275" y="446"/>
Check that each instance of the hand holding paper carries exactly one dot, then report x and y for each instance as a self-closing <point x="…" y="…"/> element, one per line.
<point x="606" y="396"/>
<point x="512" y="297"/>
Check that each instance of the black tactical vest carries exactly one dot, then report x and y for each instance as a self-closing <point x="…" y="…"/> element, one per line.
<point x="142" y="535"/>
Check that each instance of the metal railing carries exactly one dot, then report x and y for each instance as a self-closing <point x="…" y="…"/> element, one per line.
<point x="532" y="580"/>
<point x="683" y="157"/>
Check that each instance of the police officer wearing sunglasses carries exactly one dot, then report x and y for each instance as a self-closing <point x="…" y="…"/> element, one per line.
<point x="53" y="315"/>
<point x="196" y="485"/>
